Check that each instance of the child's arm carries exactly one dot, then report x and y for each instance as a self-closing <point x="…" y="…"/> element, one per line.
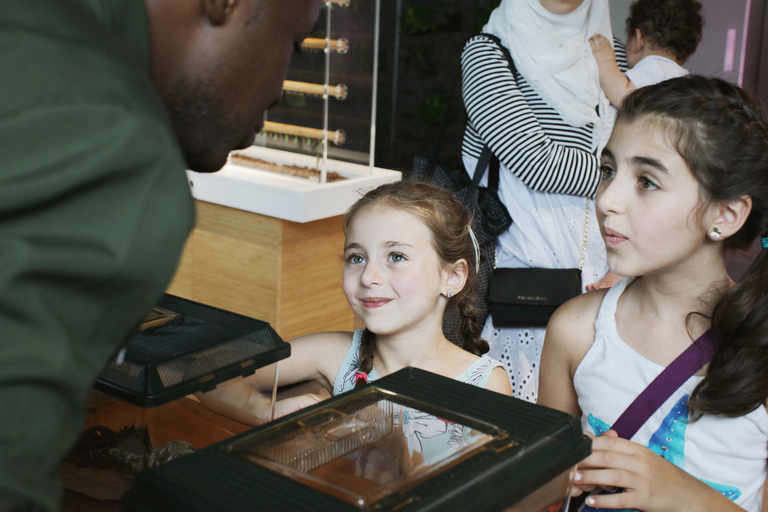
<point x="570" y="334"/>
<point x="499" y="382"/>
<point x="313" y="357"/>
<point x="651" y="483"/>
<point x="614" y="83"/>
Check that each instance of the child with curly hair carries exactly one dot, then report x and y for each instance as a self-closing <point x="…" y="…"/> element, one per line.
<point x="661" y="35"/>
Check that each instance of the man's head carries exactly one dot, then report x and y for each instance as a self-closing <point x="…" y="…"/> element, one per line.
<point x="220" y="64"/>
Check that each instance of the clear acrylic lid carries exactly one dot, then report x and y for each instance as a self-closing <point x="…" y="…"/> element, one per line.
<point x="371" y="446"/>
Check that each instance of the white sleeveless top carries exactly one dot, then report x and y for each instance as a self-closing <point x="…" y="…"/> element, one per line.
<point x="476" y="374"/>
<point x="729" y="454"/>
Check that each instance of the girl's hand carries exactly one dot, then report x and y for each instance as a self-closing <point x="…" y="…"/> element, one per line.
<point x="601" y="48"/>
<point x="288" y="405"/>
<point x="577" y="489"/>
<point x="607" y="281"/>
<point x="650" y="483"/>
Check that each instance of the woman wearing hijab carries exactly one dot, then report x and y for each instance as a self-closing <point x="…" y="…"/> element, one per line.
<point x="547" y="122"/>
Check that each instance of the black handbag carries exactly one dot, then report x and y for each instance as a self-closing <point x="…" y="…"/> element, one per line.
<point x="490" y="216"/>
<point x="527" y="297"/>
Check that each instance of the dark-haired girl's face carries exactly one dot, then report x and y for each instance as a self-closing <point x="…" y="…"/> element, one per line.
<point x="393" y="277"/>
<point x="649" y="203"/>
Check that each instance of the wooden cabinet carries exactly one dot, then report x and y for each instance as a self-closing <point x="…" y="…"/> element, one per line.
<point x="285" y="273"/>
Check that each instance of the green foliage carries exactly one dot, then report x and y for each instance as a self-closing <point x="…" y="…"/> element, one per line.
<point x="430" y="112"/>
<point x="421" y="60"/>
<point x="483" y="13"/>
<point x="418" y="18"/>
<point x="296" y="100"/>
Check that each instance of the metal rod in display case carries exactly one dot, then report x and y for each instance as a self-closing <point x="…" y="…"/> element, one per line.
<point x="323" y="167"/>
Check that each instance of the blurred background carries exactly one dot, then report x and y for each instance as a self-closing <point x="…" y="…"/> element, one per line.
<point x="421" y="41"/>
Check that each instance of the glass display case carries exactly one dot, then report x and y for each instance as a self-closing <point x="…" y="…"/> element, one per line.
<point x="316" y="150"/>
<point x="328" y="108"/>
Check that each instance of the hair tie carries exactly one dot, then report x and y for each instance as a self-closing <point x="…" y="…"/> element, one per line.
<point x="477" y="249"/>
<point x="360" y="376"/>
<point x="764" y="242"/>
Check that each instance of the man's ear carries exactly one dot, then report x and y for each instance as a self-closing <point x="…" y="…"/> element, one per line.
<point x="218" y="11"/>
<point x="732" y="215"/>
<point x="456" y="276"/>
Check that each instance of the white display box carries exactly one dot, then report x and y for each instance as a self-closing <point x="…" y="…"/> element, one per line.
<point x="287" y="197"/>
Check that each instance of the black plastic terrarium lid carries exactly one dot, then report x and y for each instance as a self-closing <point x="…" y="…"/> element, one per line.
<point x="541" y="444"/>
<point x="185" y="347"/>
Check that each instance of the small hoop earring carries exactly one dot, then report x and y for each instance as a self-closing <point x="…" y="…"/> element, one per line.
<point x="715" y="234"/>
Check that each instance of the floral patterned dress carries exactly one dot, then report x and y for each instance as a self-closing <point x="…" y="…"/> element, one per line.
<point x="426" y="434"/>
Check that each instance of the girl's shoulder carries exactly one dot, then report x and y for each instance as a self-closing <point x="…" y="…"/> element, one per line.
<point x="571" y="330"/>
<point x="581" y="309"/>
<point x="480" y="38"/>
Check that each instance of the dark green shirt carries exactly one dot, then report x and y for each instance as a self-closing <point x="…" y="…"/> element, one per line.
<point x="94" y="211"/>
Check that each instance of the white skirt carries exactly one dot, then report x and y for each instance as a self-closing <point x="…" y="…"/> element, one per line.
<point x="547" y="231"/>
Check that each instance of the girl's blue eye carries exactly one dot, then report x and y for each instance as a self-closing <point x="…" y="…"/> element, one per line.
<point x="606" y="172"/>
<point x="396" y="257"/>
<point x="646" y="184"/>
<point x="355" y="258"/>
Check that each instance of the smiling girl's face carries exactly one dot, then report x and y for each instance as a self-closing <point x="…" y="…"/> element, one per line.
<point x="392" y="275"/>
<point x="648" y="203"/>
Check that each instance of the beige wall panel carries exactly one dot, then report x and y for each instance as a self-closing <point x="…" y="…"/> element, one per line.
<point x="238" y="224"/>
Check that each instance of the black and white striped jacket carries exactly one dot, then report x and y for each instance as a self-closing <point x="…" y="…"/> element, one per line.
<point x="528" y="136"/>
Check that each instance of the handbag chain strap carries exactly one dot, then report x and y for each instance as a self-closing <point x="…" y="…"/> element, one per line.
<point x="583" y="253"/>
<point x="584" y="241"/>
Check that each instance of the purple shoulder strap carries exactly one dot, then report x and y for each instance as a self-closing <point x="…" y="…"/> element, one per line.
<point x="662" y="387"/>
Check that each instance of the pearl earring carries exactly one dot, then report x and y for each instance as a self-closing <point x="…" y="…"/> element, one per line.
<point x="715" y="234"/>
<point x="449" y="294"/>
